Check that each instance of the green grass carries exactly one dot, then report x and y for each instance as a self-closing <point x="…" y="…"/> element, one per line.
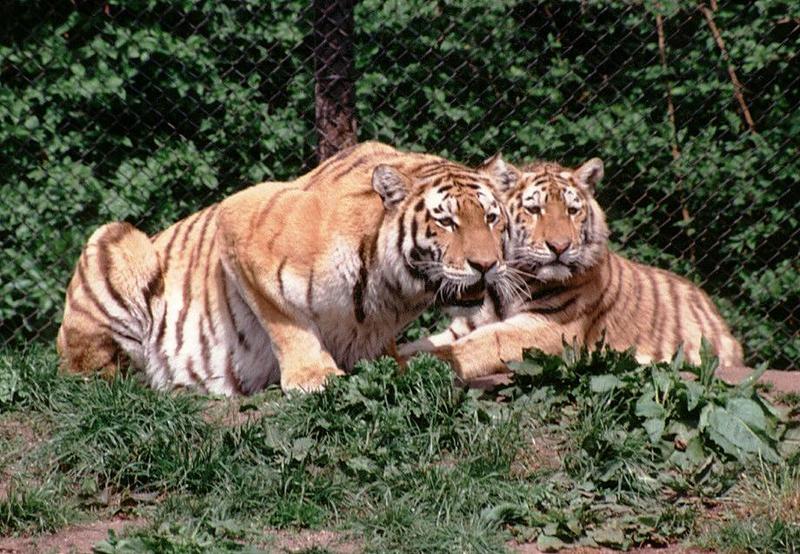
<point x="764" y="515"/>
<point x="32" y="509"/>
<point x="592" y="449"/>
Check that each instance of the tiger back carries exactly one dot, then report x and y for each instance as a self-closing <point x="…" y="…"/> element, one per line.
<point x="287" y="282"/>
<point x="576" y="288"/>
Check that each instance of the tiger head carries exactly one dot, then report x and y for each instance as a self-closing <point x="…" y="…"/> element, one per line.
<point x="451" y="227"/>
<point x="558" y="229"/>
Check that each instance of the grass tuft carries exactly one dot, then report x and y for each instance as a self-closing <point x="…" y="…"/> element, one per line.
<point x="35" y="509"/>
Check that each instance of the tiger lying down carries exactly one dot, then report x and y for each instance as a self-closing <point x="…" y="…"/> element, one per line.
<point x="287" y="282"/>
<point x="578" y="290"/>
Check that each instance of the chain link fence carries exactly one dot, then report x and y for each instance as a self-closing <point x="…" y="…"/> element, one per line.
<point x="146" y="110"/>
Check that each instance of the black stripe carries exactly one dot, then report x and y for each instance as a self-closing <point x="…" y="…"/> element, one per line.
<point x="206" y="283"/>
<point x="168" y="249"/>
<point x="230" y="374"/>
<point x="207" y="298"/>
<point x="401" y="235"/>
<point x="553" y="309"/>
<point x="697" y="317"/>
<point x="153" y="288"/>
<point x="187" y="286"/>
<point x="310" y="292"/>
<point x="499" y="309"/>
<point x="93" y="296"/>
<point x="195" y="218"/>
<point x="226" y="303"/>
<point x="588" y="225"/>
<point x="195" y="377"/>
<point x="603" y="310"/>
<point x="279" y="277"/>
<point x="361" y="161"/>
<point x="361" y="283"/>
<point x="708" y="312"/>
<point x="262" y="216"/>
<point x="547" y="293"/>
<point x="636" y="275"/>
<point x="624" y="268"/>
<point x="188" y="272"/>
<point x="205" y="352"/>
<point x="676" y="301"/>
<point x="162" y="327"/>
<point x="656" y="314"/>
<point x="101" y="324"/>
<point x="104" y="262"/>
<point x="184" y="312"/>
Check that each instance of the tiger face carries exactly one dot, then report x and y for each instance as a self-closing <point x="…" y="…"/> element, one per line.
<point x="558" y="229"/>
<point x="452" y="228"/>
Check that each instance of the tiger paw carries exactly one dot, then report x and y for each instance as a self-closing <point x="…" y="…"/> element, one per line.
<point x="307" y="379"/>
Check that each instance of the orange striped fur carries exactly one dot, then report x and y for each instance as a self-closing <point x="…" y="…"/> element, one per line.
<point x="576" y="288"/>
<point x="287" y="282"/>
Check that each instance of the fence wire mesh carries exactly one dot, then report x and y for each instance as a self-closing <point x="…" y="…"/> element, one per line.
<point x="146" y="110"/>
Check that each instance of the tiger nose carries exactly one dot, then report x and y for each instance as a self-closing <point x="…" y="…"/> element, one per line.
<point x="482" y="266"/>
<point x="558" y="246"/>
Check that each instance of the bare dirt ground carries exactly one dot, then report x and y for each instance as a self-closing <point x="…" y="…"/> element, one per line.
<point x="17" y="435"/>
<point x="781" y="381"/>
<point x="293" y="541"/>
<point x="80" y="539"/>
<point x="671" y="549"/>
<point x="73" y="539"/>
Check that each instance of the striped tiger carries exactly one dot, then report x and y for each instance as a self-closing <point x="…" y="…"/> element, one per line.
<point x="577" y="289"/>
<point x="287" y="282"/>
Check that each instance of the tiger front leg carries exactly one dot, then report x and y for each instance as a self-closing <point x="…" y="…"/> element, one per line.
<point x="488" y="349"/>
<point x="304" y="362"/>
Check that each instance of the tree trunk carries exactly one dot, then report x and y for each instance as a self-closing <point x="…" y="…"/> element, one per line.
<point x="333" y="73"/>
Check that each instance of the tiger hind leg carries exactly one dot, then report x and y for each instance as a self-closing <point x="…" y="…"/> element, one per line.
<point x="108" y="309"/>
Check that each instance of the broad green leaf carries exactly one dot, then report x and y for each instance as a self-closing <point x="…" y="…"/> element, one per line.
<point x="733" y="434"/>
<point x="610" y="535"/>
<point x="654" y="428"/>
<point x="525" y="367"/>
<point x="694" y="392"/>
<point x="604" y="383"/>
<point x="748" y="411"/>
<point x="647" y="407"/>
<point x="548" y="543"/>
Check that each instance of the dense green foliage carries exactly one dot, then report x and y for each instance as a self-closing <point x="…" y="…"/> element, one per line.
<point x="589" y="449"/>
<point x="145" y="110"/>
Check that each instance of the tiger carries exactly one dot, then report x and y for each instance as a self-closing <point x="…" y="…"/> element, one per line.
<point x="576" y="290"/>
<point x="287" y="282"/>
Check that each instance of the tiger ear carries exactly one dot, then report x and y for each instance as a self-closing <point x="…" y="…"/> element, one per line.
<point x="391" y="184"/>
<point x="505" y="175"/>
<point x="590" y="173"/>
